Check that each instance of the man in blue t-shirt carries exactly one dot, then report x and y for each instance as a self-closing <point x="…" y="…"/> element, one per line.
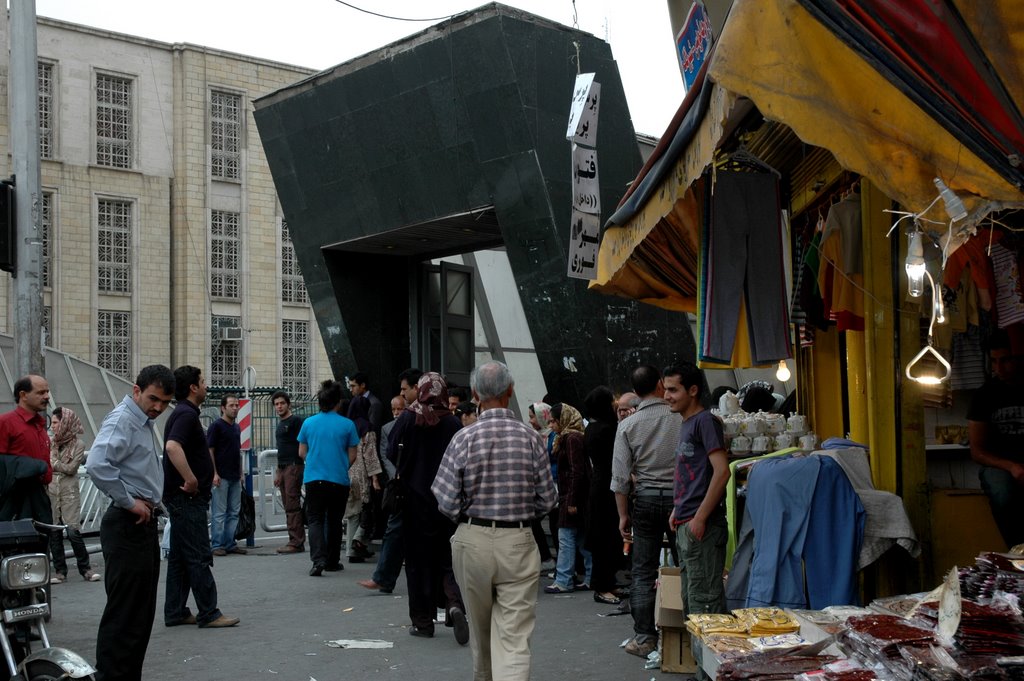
<point x="225" y="442"/>
<point x="327" y="444"/>
<point x="698" y="512"/>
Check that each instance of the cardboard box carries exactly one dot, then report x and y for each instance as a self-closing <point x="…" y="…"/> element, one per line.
<point x="668" y="603"/>
<point x="676" y="655"/>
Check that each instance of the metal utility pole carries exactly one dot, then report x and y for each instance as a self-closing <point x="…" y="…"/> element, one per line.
<point x="24" y="136"/>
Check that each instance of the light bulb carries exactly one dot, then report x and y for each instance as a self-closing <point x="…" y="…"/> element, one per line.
<point x="915" y="265"/>
<point x="954" y="204"/>
<point x="783" y="372"/>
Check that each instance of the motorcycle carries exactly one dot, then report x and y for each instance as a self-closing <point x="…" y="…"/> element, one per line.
<point x="25" y="607"/>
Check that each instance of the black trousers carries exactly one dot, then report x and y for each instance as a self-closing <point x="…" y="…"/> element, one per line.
<point x="325" y="513"/>
<point x="428" y="563"/>
<point x="131" y="557"/>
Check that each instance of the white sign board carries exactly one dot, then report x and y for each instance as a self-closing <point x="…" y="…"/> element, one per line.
<point x="586" y="191"/>
<point x="586" y="96"/>
<point x="584" y="237"/>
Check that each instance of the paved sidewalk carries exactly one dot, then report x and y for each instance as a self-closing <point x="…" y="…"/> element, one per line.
<point x="287" y="616"/>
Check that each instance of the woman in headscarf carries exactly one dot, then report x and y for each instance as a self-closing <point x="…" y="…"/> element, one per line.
<point x="363" y="475"/>
<point x="417" y="445"/>
<point x="602" y="532"/>
<point x="573" y="490"/>
<point x="67" y="451"/>
<point x="540" y="414"/>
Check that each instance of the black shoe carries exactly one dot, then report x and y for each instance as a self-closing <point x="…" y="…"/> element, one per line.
<point x="316" y="570"/>
<point x="422" y="632"/>
<point x="460" y="624"/>
<point x="334" y="568"/>
<point x="607" y="600"/>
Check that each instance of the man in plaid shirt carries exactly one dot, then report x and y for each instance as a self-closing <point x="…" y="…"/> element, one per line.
<point x="494" y="480"/>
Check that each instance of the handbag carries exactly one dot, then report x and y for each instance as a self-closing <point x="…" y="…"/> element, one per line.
<point x="393" y="498"/>
<point x="246" y="517"/>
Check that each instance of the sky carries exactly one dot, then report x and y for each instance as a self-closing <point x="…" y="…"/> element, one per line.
<point x="321" y="33"/>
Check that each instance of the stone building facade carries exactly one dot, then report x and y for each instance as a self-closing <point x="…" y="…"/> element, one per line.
<point x="163" y="237"/>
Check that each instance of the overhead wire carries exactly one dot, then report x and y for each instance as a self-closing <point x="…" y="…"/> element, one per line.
<point x="388" y="16"/>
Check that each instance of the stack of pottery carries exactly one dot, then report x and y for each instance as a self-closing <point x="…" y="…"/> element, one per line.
<point x="796" y="426"/>
<point x="762" y="432"/>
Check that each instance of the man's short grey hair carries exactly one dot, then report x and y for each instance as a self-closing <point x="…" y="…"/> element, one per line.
<point x="490" y="380"/>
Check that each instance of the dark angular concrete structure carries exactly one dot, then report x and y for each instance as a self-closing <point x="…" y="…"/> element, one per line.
<point x="450" y="141"/>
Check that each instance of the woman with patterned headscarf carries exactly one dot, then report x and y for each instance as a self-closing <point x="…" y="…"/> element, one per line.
<point x="67" y="451"/>
<point x="540" y="414"/>
<point x="573" y="492"/>
<point x="416" y="445"/>
<point x="362" y="475"/>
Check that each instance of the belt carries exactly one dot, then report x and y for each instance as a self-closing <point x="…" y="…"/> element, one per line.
<point x="503" y="524"/>
<point x="656" y="492"/>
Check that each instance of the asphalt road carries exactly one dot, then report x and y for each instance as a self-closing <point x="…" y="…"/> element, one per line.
<point x="288" y="616"/>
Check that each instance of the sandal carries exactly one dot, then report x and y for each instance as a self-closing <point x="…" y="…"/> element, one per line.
<point x="606" y="598"/>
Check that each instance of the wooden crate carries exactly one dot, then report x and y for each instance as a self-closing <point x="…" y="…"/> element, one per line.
<point x="676" y="656"/>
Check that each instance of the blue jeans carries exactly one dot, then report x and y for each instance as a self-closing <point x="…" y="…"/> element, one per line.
<point x="389" y="562"/>
<point x="189" y="565"/>
<point x="650" y="523"/>
<point x="570" y="539"/>
<point x="225" y="503"/>
<point x="1006" y="498"/>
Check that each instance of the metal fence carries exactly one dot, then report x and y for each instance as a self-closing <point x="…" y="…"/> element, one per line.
<point x="264" y="426"/>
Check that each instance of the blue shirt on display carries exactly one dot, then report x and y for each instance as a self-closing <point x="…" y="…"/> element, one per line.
<point x="327" y="437"/>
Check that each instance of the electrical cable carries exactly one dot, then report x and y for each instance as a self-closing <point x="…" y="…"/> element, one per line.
<point x="386" y="16"/>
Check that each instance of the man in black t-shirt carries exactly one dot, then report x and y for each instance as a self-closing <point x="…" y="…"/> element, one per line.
<point x="188" y="479"/>
<point x="290" y="469"/>
<point x="225" y="441"/>
<point x="995" y="422"/>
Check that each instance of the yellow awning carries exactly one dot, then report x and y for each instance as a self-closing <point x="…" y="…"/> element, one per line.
<point x="798" y="72"/>
<point x="653" y="258"/>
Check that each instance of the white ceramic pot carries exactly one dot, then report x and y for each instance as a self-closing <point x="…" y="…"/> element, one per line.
<point x="740" y="444"/>
<point x="797" y="423"/>
<point x="808" y="441"/>
<point x="783" y="440"/>
<point x="761" y="443"/>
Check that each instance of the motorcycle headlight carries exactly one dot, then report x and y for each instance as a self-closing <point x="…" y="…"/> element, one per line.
<point x="24" y="571"/>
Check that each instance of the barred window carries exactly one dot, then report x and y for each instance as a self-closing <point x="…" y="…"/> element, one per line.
<point x="225" y="135"/>
<point x="114" y="129"/>
<point x="48" y="326"/>
<point x="46" y="222"/>
<point x="114" y="342"/>
<point x="225" y="355"/>
<point x="293" y="288"/>
<point x="115" y="244"/>
<point x="224" y="250"/>
<point x="44" y="84"/>
<point x="295" y="356"/>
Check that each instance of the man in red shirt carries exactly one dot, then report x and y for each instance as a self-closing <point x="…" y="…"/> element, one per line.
<point x="23" y="430"/>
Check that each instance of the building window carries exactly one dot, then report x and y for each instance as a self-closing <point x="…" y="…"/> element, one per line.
<point x="295" y="356"/>
<point x="225" y="135"/>
<point x="293" y="289"/>
<point x="113" y="121"/>
<point x="225" y="355"/>
<point x="48" y="326"/>
<point x="115" y="244"/>
<point x="46" y="222"/>
<point x="44" y="83"/>
<point x="114" y="342"/>
<point x="224" y="254"/>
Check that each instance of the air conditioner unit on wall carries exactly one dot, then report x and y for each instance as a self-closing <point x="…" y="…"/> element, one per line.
<point x="231" y="333"/>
